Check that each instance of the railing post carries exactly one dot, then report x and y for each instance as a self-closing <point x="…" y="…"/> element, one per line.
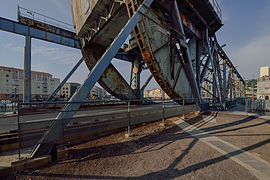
<point x="183" y="109"/>
<point x="128" y="113"/>
<point x="19" y="135"/>
<point x="163" y="112"/>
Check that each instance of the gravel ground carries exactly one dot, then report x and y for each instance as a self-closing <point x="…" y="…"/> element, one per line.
<point x="155" y="152"/>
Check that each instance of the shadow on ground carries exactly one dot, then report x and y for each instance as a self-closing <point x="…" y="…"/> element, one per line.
<point x="165" y="138"/>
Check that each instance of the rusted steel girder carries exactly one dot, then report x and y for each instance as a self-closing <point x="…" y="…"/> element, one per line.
<point x="172" y="53"/>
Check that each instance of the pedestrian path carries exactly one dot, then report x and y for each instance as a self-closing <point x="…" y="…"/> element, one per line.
<point x="258" y="166"/>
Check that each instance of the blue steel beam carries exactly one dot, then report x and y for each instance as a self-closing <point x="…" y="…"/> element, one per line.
<point x="192" y="74"/>
<point x="224" y="79"/>
<point x="205" y="68"/>
<point x="60" y="37"/>
<point x="214" y="69"/>
<point x="199" y="49"/>
<point x="46" y="143"/>
<point x="27" y="71"/>
<point x="65" y="80"/>
<point x="231" y="88"/>
<point x="223" y="55"/>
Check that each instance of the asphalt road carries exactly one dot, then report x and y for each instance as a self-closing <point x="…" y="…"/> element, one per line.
<point x="11" y="123"/>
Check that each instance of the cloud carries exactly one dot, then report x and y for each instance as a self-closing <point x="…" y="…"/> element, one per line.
<point x="57" y="55"/>
<point x="14" y="47"/>
<point x="252" y="56"/>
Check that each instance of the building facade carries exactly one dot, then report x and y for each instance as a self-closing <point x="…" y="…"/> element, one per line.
<point x="154" y="93"/>
<point x="251" y="87"/>
<point x="264" y="71"/>
<point x="69" y="89"/>
<point x="98" y="93"/>
<point x="263" y="91"/>
<point x="42" y="84"/>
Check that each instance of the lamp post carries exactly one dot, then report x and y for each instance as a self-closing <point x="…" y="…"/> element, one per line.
<point x="14" y="106"/>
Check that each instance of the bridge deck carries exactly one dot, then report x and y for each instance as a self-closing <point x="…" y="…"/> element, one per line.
<point x="221" y="146"/>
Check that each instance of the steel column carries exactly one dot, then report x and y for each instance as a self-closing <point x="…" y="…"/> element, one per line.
<point x="192" y="74"/>
<point x="44" y="146"/>
<point x="198" y="64"/>
<point x="205" y="67"/>
<point x="231" y="89"/>
<point x="27" y="71"/>
<point x="65" y="80"/>
<point x="224" y="79"/>
<point x="213" y="67"/>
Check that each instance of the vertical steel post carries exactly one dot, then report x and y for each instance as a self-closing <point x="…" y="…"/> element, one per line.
<point x="215" y="82"/>
<point x="183" y="109"/>
<point x="224" y="79"/>
<point x="128" y="133"/>
<point x="214" y="89"/>
<point x="163" y="108"/>
<point x="180" y="23"/>
<point x="19" y="134"/>
<point x="198" y="64"/>
<point x="14" y="104"/>
<point x="27" y="71"/>
<point x="231" y="89"/>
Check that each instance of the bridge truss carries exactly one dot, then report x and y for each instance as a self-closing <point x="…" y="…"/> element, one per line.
<point x="174" y="39"/>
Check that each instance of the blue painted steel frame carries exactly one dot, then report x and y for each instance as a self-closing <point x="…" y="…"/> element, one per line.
<point x="215" y="83"/>
<point x="27" y="71"/>
<point x="188" y="52"/>
<point x="60" y="37"/>
<point x="224" y="80"/>
<point x="47" y="142"/>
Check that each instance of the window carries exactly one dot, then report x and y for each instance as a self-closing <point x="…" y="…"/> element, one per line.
<point x="7" y="80"/>
<point x="7" y="75"/>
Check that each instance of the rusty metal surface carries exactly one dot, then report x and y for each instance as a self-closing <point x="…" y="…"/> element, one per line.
<point x="153" y="41"/>
<point x="101" y="24"/>
<point x="111" y="80"/>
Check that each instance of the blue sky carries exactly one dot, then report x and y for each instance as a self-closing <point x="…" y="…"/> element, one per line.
<point x="246" y="32"/>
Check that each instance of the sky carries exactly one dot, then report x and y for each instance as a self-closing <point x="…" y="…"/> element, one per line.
<point x="246" y="32"/>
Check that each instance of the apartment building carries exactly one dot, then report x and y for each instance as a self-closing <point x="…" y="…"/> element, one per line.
<point x="263" y="88"/>
<point x="154" y="93"/>
<point x="69" y="89"/>
<point x="264" y="71"/>
<point x="98" y="93"/>
<point x="42" y="84"/>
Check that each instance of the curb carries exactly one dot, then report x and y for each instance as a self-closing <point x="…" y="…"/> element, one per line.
<point x="21" y="165"/>
<point x="245" y="114"/>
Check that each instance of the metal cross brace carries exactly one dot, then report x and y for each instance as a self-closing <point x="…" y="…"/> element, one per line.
<point x="46" y="143"/>
<point x="192" y="74"/>
<point x="65" y="80"/>
<point x="213" y="67"/>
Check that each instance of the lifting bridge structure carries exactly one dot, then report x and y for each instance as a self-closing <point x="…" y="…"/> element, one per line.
<point x="174" y="39"/>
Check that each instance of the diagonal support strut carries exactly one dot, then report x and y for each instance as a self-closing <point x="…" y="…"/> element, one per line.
<point x="46" y="143"/>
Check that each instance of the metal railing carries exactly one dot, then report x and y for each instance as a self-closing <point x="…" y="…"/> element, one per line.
<point x="93" y="117"/>
<point x="261" y="107"/>
<point x="35" y="16"/>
